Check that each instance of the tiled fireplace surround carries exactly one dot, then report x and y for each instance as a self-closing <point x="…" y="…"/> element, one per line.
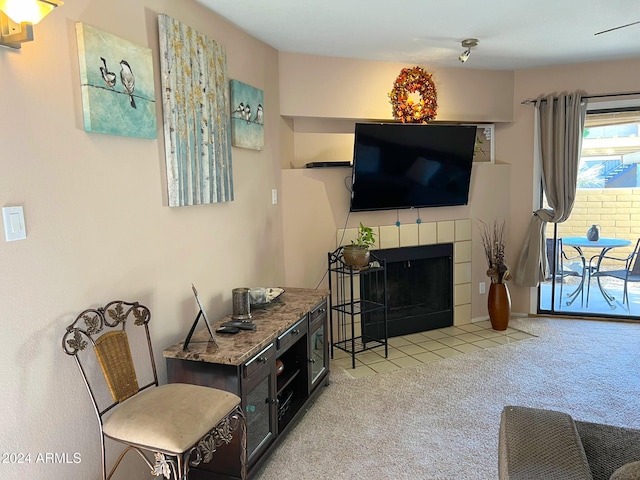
<point x="457" y="232"/>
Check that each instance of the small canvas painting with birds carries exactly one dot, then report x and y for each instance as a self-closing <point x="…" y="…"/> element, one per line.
<point x="118" y="91"/>
<point x="247" y="116"/>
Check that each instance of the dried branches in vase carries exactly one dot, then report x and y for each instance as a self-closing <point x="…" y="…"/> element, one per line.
<point x="493" y="241"/>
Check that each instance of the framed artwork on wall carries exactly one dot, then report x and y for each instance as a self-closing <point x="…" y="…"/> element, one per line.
<point x="196" y="109"/>
<point x="485" y="149"/>
<point x="247" y="116"/>
<point x="116" y="80"/>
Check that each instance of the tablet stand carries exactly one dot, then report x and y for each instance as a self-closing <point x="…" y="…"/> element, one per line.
<point x="193" y="329"/>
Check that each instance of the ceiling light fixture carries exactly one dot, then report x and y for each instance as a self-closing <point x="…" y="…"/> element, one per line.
<point x="17" y="18"/>
<point x="467" y="43"/>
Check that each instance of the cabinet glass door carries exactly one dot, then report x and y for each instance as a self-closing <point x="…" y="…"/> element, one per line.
<point x="318" y="352"/>
<point x="258" y="410"/>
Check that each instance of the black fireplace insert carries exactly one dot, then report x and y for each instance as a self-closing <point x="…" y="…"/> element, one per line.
<point x="419" y="290"/>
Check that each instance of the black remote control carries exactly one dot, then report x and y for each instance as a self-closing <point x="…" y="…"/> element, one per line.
<point x="240" y="325"/>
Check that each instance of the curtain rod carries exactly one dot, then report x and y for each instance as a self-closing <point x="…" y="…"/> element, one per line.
<point x="531" y="101"/>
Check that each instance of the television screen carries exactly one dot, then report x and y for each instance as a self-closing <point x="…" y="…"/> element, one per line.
<point x="411" y="165"/>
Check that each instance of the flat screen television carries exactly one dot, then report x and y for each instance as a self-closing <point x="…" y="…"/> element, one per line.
<point x="399" y="165"/>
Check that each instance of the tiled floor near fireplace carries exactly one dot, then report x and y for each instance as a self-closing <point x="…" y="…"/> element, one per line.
<point x="411" y="350"/>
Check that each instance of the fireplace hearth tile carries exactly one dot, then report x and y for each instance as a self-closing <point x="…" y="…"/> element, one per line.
<point x="451" y="341"/>
<point x="405" y="362"/>
<point x="399" y="342"/>
<point x="447" y="352"/>
<point x="468" y="348"/>
<point x="389" y="237"/>
<point x="463" y="230"/>
<point x="394" y="353"/>
<point x="446" y="232"/>
<point x="428" y="233"/>
<point x="435" y="334"/>
<point x="431" y="345"/>
<point x="409" y="236"/>
<point x="486" y="343"/>
<point x="467" y="339"/>
<point x="427" y="357"/>
<point x="462" y="251"/>
<point x="470" y="337"/>
<point x="412" y="349"/>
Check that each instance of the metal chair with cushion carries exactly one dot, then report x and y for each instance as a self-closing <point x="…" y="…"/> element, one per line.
<point x="570" y="264"/>
<point x="181" y="424"/>
<point x="626" y="269"/>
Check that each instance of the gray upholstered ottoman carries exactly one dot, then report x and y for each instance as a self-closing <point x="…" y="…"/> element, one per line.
<point x="539" y="444"/>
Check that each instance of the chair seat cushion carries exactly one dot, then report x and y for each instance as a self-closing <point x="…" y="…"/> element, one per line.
<point x="170" y="418"/>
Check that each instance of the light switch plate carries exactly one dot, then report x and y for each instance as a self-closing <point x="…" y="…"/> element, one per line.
<point x="14" y="227"/>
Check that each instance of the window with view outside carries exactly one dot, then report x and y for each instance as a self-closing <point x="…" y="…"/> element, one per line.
<point x="608" y="194"/>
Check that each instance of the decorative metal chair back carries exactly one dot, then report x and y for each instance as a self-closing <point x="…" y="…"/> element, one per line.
<point x="105" y="329"/>
<point x="551" y="252"/>
<point x="634" y="261"/>
<point x="200" y="418"/>
<point x="557" y="267"/>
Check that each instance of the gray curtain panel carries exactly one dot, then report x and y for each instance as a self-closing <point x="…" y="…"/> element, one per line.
<point x="560" y="122"/>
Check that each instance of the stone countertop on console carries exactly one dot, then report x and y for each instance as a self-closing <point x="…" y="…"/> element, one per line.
<point x="270" y="321"/>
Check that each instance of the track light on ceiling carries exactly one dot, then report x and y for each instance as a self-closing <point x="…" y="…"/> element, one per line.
<point x="467" y="43"/>
<point x="17" y="18"/>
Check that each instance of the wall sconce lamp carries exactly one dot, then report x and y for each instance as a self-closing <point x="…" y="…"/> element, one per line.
<point x="468" y="44"/>
<point x="17" y="18"/>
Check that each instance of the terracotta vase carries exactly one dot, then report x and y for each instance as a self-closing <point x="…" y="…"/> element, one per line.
<point x="499" y="305"/>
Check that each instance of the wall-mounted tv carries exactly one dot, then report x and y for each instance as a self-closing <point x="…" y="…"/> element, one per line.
<point x="398" y="165"/>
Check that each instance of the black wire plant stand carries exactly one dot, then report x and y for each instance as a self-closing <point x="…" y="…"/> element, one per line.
<point x="357" y="305"/>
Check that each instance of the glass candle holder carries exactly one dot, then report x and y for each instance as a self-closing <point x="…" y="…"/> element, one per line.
<point x="241" y="305"/>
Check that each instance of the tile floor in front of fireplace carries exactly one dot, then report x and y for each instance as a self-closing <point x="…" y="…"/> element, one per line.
<point x="425" y="347"/>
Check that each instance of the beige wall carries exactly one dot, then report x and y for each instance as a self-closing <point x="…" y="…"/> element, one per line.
<point x="98" y="227"/>
<point x="328" y="87"/>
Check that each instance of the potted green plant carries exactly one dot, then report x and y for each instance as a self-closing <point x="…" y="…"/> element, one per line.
<point x="357" y="253"/>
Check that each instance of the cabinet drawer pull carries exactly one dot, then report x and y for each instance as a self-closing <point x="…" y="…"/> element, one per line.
<point x="262" y="360"/>
<point x="295" y="331"/>
<point x="312" y="360"/>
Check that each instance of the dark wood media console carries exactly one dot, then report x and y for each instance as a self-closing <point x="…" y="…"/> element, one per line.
<point x="294" y="330"/>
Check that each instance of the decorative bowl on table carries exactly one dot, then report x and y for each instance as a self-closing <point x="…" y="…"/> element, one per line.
<point x="263" y="296"/>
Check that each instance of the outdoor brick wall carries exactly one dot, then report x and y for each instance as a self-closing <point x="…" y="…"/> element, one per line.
<point x="616" y="210"/>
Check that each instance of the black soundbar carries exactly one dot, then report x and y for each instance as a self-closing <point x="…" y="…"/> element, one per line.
<point x="344" y="163"/>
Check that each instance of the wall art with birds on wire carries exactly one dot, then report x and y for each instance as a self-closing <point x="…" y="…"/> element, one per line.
<point x="247" y="116"/>
<point x="118" y="91"/>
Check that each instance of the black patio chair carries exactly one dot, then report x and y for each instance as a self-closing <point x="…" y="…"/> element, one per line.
<point x="567" y="264"/>
<point x="628" y="271"/>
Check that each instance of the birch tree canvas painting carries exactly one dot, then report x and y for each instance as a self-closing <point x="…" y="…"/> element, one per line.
<point x="196" y="107"/>
<point x="116" y="80"/>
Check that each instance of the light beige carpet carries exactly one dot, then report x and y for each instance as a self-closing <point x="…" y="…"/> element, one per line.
<point x="440" y="420"/>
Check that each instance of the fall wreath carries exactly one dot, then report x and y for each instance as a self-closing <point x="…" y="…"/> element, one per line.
<point x="405" y="109"/>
